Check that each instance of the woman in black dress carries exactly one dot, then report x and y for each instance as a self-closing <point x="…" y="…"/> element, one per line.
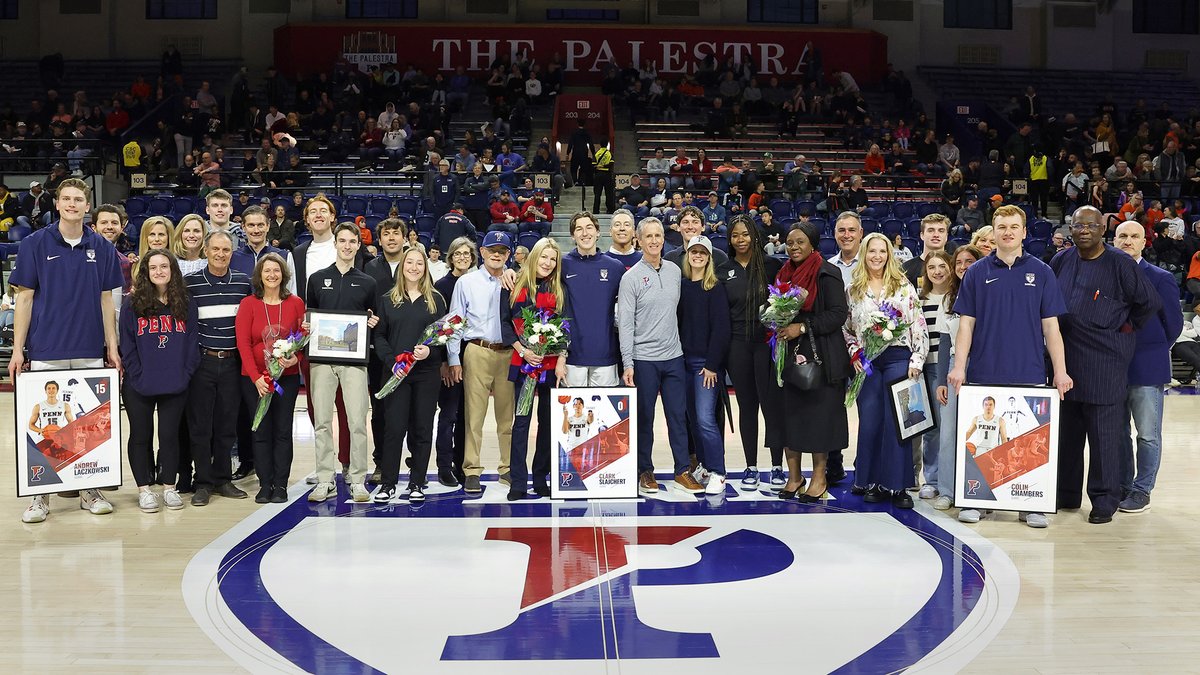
<point x="749" y="359"/>
<point x="816" y="419"/>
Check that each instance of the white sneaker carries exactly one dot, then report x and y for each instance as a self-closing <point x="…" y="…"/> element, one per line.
<point x="715" y="485"/>
<point x="93" y="502"/>
<point x="172" y="499"/>
<point x="359" y="493"/>
<point x="322" y="492"/>
<point x="968" y="516"/>
<point x="38" y="509"/>
<point x="928" y="492"/>
<point x="1034" y="520"/>
<point x="311" y="479"/>
<point x="148" y="502"/>
<point x="943" y="502"/>
<point x="701" y="474"/>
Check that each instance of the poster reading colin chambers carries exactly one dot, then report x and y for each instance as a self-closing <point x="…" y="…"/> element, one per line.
<point x="593" y="443"/>
<point x="68" y="430"/>
<point x="1006" y="454"/>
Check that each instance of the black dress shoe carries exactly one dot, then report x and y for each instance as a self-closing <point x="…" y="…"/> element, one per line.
<point x="279" y="495"/>
<point x="263" y="496"/>
<point x="901" y="500"/>
<point x="791" y="494"/>
<point x="541" y="489"/>
<point x="858" y="490"/>
<point x="446" y="477"/>
<point x="834" y="474"/>
<point x="243" y="471"/>
<point x="805" y="498"/>
<point x="1099" y="517"/>
<point x="516" y="495"/>
<point x="201" y="496"/>
<point x="876" y="495"/>
<point x="230" y="490"/>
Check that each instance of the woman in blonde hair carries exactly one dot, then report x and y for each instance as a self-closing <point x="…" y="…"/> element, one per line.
<point x="984" y="240"/>
<point x="157" y="233"/>
<point x="538" y="285"/>
<point x="704" y="335"/>
<point x="884" y="465"/>
<point x="404" y="313"/>
<point x="187" y="243"/>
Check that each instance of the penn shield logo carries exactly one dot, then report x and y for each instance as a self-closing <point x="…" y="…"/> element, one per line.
<point x="972" y="487"/>
<point x="35" y="473"/>
<point x="545" y="584"/>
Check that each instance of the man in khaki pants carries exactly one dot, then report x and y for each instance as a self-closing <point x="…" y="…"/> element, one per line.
<point x="483" y="356"/>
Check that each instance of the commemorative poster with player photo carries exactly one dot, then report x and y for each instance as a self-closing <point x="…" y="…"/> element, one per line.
<point x="1006" y="449"/>
<point x="68" y="430"/>
<point x="593" y="436"/>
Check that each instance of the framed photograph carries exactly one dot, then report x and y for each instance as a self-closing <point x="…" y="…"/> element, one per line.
<point x="912" y="409"/>
<point x="593" y="439"/>
<point x="339" y="338"/>
<point x="1006" y="448"/>
<point x="68" y="430"/>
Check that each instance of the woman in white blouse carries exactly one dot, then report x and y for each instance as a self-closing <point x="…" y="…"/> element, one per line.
<point x="884" y="464"/>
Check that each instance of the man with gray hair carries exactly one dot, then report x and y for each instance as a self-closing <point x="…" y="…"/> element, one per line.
<point x="652" y="357"/>
<point x="213" y="402"/>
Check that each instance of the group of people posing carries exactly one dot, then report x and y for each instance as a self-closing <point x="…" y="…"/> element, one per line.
<point x="670" y="323"/>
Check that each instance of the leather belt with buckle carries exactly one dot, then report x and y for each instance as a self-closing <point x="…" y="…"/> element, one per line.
<point x="219" y="353"/>
<point x="494" y="346"/>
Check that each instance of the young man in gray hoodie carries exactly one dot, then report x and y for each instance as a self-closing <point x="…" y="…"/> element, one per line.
<point x="651" y="354"/>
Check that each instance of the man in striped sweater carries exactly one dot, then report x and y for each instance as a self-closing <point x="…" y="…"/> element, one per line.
<point x="212" y="395"/>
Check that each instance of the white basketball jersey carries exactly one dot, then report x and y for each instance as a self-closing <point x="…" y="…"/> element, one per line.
<point x="987" y="434"/>
<point x="52" y="413"/>
<point x="577" y="429"/>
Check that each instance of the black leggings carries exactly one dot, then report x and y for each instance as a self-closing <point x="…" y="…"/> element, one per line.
<point x="410" y="410"/>
<point x="273" y="448"/>
<point x="750" y="369"/>
<point x="140" y="410"/>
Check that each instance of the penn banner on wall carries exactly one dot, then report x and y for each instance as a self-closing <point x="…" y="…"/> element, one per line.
<point x="1006" y="448"/>
<point x="68" y="430"/>
<point x="592" y="443"/>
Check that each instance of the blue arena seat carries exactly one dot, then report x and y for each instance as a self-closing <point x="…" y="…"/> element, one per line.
<point x="379" y="205"/>
<point x="135" y="205"/>
<point x="354" y="206"/>
<point x="781" y="208"/>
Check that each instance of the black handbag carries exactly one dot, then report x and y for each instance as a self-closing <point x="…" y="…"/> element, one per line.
<point x="808" y="375"/>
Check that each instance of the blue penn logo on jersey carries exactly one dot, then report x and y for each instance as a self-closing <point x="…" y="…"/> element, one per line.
<point x="702" y="583"/>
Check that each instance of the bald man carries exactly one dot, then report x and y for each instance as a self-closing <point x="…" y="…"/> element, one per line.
<point x="1108" y="298"/>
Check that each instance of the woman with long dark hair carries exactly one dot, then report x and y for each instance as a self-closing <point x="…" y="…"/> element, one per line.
<point x="271" y="313"/>
<point x="463" y="256"/>
<point x="937" y="278"/>
<point x="964" y="257"/>
<point x="816" y="418"/>
<point x="749" y="358"/>
<point x="538" y="285"/>
<point x="160" y="350"/>
<point x="404" y="313"/>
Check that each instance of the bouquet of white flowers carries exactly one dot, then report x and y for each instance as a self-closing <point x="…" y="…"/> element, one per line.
<point x="280" y="349"/>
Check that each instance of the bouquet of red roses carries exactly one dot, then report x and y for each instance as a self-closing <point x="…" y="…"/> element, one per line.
<point x="437" y="334"/>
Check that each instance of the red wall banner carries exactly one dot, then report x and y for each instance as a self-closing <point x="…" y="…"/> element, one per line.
<point x="584" y="50"/>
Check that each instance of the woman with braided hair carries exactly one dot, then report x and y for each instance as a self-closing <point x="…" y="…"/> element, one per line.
<point x="749" y="363"/>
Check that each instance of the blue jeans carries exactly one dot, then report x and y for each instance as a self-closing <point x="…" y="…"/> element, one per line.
<point x="702" y="410"/>
<point x="930" y="441"/>
<point x="1145" y="407"/>
<point x="669" y="378"/>
<point x="882" y="459"/>
<point x="944" y="475"/>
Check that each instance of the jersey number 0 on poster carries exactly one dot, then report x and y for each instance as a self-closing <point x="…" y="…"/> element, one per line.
<point x="594" y="431"/>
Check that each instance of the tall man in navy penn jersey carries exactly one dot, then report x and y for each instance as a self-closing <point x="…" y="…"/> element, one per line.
<point x="1108" y="300"/>
<point x="1149" y="372"/>
<point x="64" y="314"/>
<point x="213" y="398"/>
<point x="592" y="279"/>
<point x="341" y="287"/>
<point x="1009" y="304"/>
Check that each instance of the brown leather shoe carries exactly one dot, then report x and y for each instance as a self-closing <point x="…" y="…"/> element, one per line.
<point x="688" y="484"/>
<point x="646" y="483"/>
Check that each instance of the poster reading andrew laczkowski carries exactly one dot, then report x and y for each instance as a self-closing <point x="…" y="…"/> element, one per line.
<point x="68" y="430"/>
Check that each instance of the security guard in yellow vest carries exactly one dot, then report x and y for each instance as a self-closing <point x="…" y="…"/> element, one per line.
<point x="602" y="179"/>
<point x="1039" y="181"/>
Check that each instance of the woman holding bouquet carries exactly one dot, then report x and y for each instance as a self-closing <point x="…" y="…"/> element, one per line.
<point x="816" y="418"/>
<point x="404" y="314"/>
<point x="749" y="358"/>
<point x="884" y="311"/>
<point x="160" y="351"/>
<point x="538" y="286"/>
<point x="271" y="313"/>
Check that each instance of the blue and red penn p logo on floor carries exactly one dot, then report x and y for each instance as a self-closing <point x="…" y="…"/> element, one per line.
<point x="675" y="583"/>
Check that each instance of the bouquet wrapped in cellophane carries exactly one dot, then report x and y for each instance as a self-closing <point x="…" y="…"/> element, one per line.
<point x="886" y="327"/>
<point x="545" y="333"/>
<point x="783" y="304"/>
<point x="437" y="334"/>
<point x="280" y="350"/>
